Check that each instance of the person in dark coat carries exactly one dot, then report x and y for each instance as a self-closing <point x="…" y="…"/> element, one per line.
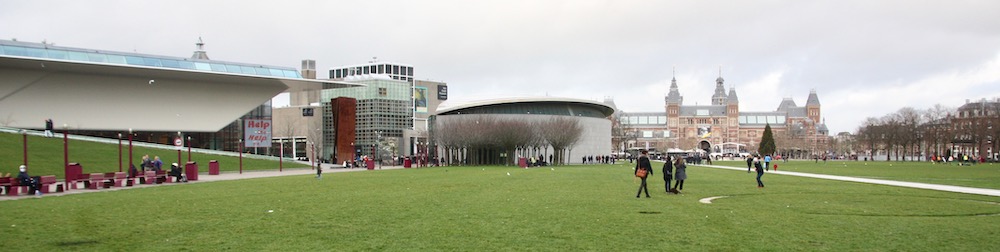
<point x="26" y="180"/>
<point x="176" y="172"/>
<point x="643" y="164"/>
<point x="749" y="162"/>
<point x="680" y="174"/>
<point x="668" y="172"/>
<point x="760" y="172"/>
<point x="48" y="128"/>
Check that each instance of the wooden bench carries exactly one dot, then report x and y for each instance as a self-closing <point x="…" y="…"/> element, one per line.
<point x="147" y="177"/>
<point x="161" y="177"/>
<point x="45" y="181"/>
<point x="92" y="180"/>
<point x="114" y="179"/>
<point x="13" y="187"/>
<point x="5" y="184"/>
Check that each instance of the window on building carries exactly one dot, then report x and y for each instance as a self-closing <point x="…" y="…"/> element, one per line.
<point x="647" y="134"/>
<point x="381" y="69"/>
<point x="382" y="92"/>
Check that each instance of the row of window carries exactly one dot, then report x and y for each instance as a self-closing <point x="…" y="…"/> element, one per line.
<point x="372" y="69"/>
<point x="644" y="120"/>
<point x="762" y="119"/>
<point x="146" y="61"/>
<point x="742" y="119"/>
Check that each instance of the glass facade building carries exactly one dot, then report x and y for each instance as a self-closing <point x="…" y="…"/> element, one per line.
<point x="384" y="110"/>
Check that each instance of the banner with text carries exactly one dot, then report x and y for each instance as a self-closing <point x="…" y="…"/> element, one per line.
<point x="257" y="133"/>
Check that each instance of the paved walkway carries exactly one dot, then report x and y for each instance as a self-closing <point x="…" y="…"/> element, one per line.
<point x="947" y="188"/>
<point x="204" y="177"/>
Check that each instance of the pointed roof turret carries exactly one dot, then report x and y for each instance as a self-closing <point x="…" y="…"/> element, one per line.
<point x="813" y="98"/>
<point x="732" y="96"/>
<point x="199" y="53"/>
<point x="719" y="98"/>
<point x="675" y="95"/>
<point x="719" y="81"/>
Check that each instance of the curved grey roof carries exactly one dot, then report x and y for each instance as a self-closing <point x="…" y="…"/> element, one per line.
<point x="600" y="106"/>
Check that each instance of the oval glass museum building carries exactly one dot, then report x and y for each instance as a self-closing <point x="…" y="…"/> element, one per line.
<point x="591" y="116"/>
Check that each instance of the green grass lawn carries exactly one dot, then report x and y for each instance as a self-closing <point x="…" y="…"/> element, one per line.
<point x="981" y="175"/>
<point x="45" y="157"/>
<point x="482" y="208"/>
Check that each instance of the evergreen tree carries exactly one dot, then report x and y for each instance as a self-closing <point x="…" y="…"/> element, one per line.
<point x="766" y="146"/>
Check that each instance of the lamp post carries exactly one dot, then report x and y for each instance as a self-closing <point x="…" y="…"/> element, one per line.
<point x="281" y="154"/>
<point x="353" y="153"/>
<point x="241" y="155"/>
<point x="378" y="158"/>
<point x="119" y="152"/>
<point x="24" y="135"/>
<point x="179" y="147"/>
<point x="65" y="146"/>
<point x="189" y="148"/>
<point x="130" y="148"/>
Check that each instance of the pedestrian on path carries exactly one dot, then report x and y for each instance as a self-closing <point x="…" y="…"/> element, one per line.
<point x="760" y="172"/>
<point x="319" y="172"/>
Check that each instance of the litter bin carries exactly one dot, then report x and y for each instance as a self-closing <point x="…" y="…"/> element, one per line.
<point x="407" y="163"/>
<point x="191" y="171"/>
<point x="73" y="172"/>
<point x="522" y="162"/>
<point x="370" y="164"/>
<point x="213" y="167"/>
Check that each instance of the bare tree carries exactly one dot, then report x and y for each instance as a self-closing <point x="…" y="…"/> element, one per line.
<point x="562" y="133"/>
<point x="621" y="131"/>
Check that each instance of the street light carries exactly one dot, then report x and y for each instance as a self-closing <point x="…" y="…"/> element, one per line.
<point x="179" y="147"/>
<point x="241" y="155"/>
<point x="119" y="152"/>
<point x="281" y="154"/>
<point x="378" y="141"/>
<point x="189" y="148"/>
<point x="65" y="145"/>
<point x="24" y="134"/>
<point x="130" y="148"/>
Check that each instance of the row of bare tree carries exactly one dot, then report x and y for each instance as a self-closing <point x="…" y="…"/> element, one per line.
<point x="494" y="140"/>
<point x="919" y="133"/>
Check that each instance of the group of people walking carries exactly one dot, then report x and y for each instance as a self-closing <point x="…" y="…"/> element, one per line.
<point x="676" y="169"/>
<point x="673" y="169"/>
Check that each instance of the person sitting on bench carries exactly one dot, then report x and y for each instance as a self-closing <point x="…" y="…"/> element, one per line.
<point x="175" y="171"/>
<point x="32" y="182"/>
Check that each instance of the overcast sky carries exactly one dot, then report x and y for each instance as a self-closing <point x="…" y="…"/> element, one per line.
<point x="864" y="58"/>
